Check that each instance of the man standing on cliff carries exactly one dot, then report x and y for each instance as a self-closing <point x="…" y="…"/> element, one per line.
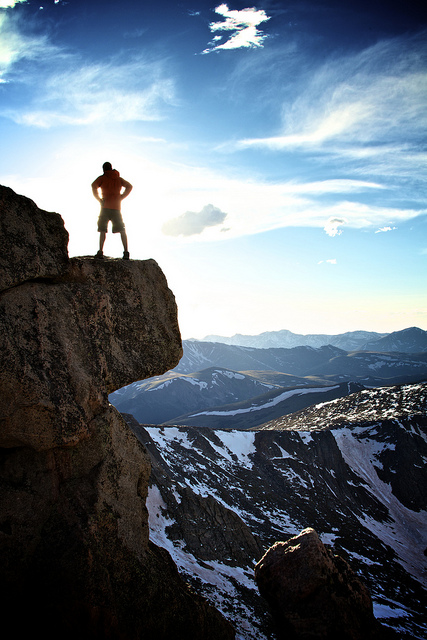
<point x="111" y="185"/>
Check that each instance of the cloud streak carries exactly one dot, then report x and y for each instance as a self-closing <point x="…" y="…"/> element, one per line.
<point x="368" y="98"/>
<point x="241" y="26"/>
<point x="255" y="206"/>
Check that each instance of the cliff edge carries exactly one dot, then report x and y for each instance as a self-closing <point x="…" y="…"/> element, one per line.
<point x="76" y="560"/>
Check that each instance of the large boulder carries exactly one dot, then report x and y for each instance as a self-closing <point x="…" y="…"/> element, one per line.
<point x="314" y="594"/>
<point x="68" y="342"/>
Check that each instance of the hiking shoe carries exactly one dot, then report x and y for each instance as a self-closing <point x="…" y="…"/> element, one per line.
<point x="125" y="255"/>
<point x="99" y="254"/>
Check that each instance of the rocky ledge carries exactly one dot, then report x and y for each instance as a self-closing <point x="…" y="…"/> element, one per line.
<point x="76" y="560"/>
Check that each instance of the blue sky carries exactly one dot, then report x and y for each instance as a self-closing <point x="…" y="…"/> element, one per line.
<point x="277" y="150"/>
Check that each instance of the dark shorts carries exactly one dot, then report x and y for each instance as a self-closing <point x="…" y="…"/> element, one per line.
<point x="116" y="219"/>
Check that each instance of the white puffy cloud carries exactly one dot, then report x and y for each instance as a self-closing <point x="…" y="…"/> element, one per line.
<point x="332" y="226"/>
<point x="191" y="223"/>
<point x="243" y="26"/>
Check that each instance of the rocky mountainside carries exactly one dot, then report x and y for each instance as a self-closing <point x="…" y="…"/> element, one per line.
<point x="412" y="340"/>
<point x="76" y="557"/>
<point x="218" y="499"/>
<point x="367" y="405"/>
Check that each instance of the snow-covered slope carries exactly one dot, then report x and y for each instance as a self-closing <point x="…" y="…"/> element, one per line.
<point x="219" y="499"/>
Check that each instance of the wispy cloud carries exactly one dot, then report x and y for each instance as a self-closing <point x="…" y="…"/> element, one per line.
<point x="373" y="97"/>
<point x="192" y="223"/>
<point x="16" y="45"/>
<point x="81" y="97"/>
<point x="241" y="28"/>
<point x="66" y="90"/>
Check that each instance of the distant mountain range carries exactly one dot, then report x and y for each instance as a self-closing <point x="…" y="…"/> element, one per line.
<point x="328" y="363"/>
<point x="230" y="386"/>
<point x="412" y="340"/>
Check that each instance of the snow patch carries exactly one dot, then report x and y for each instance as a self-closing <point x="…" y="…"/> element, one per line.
<point x="271" y="403"/>
<point x="239" y="443"/>
<point x="406" y="533"/>
<point x="162" y="436"/>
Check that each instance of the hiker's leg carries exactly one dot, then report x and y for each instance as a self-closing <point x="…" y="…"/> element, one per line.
<point x="102" y="235"/>
<point x="124" y="239"/>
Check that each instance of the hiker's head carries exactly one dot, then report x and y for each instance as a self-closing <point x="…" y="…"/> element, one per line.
<point x="107" y="166"/>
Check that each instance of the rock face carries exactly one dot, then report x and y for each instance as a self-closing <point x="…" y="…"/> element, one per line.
<point x="76" y="560"/>
<point x="315" y="594"/>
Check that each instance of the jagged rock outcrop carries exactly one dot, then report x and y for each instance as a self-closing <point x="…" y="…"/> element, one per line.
<point x="34" y="245"/>
<point x="76" y="560"/>
<point x="315" y="594"/>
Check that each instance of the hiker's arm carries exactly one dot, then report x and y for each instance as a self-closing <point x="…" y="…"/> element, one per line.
<point x="128" y="188"/>
<point x="95" y="193"/>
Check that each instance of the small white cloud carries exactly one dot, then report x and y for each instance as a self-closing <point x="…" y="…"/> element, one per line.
<point x="243" y="25"/>
<point x="385" y="229"/>
<point x="329" y="261"/>
<point x="191" y="223"/>
<point x="331" y="227"/>
<point x="7" y="4"/>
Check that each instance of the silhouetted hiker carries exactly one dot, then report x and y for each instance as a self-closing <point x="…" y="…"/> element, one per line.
<point x="111" y="185"/>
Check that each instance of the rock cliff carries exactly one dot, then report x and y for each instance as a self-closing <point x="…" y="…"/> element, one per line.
<point x="76" y="560"/>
